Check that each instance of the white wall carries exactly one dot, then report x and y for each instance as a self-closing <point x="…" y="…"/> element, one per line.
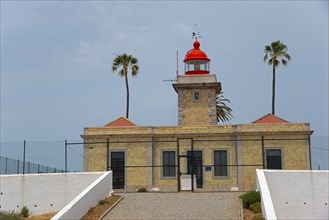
<point x="89" y="197"/>
<point x="43" y="193"/>
<point x="294" y="194"/>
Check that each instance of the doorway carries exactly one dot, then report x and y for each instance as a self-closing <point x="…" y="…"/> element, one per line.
<point x="118" y="169"/>
<point x="198" y="168"/>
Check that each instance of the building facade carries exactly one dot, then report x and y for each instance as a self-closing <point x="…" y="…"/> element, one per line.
<point x="197" y="154"/>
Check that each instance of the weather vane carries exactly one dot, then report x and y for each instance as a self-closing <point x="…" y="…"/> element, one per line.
<point x="196" y="34"/>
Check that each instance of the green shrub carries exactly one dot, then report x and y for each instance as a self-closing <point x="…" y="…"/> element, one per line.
<point x="103" y="201"/>
<point x="4" y="215"/>
<point x="256" y="207"/>
<point x="142" y="190"/>
<point x="25" y="212"/>
<point x="92" y="209"/>
<point x="250" y="198"/>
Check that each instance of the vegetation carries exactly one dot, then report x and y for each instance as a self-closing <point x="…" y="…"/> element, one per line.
<point x="142" y="190"/>
<point x="224" y="113"/>
<point x="273" y="53"/>
<point x="103" y="201"/>
<point x="250" y="198"/>
<point x="125" y="62"/>
<point x="259" y="216"/>
<point x="10" y="215"/>
<point x="256" y="207"/>
<point x="25" y="212"/>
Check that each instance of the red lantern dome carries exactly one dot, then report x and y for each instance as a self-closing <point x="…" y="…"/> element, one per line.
<point x="196" y="61"/>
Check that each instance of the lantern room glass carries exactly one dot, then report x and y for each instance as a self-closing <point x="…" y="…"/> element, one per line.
<point x="197" y="65"/>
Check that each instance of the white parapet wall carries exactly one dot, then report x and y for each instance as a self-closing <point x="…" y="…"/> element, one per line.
<point x="44" y="193"/>
<point x="89" y="197"/>
<point x="294" y="194"/>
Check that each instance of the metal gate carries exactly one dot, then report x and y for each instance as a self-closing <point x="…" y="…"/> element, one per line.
<point x="189" y="165"/>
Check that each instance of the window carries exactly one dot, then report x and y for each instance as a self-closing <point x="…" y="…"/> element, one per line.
<point x="169" y="164"/>
<point x="196" y="96"/>
<point x="220" y="163"/>
<point x="273" y="159"/>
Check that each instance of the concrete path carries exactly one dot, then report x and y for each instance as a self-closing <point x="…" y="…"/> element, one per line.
<point x="217" y="205"/>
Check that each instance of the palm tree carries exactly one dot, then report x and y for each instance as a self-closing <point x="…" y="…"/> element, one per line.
<point x="224" y="113"/>
<point x="273" y="53"/>
<point x="125" y="61"/>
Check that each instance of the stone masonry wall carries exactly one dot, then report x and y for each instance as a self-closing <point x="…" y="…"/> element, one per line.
<point x="242" y="142"/>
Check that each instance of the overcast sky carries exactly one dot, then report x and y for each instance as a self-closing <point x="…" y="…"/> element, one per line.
<point x="56" y="60"/>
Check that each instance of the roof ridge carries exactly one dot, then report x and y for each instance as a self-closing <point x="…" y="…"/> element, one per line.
<point x="270" y="118"/>
<point x="119" y="122"/>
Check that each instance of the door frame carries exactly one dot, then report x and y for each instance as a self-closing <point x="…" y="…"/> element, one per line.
<point x="125" y="165"/>
<point x="194" y="165"/>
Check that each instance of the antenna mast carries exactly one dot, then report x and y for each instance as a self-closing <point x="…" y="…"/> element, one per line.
<point x="176" y="63"/>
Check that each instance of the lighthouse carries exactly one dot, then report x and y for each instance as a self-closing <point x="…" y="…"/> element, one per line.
<point x="197" y="90"/>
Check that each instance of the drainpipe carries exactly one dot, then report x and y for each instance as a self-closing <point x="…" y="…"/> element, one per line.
<point x="153" y="182"/>
<point x="108" y="154"/>
<point x="309" y="151"/>
<point x="236" y="159"/>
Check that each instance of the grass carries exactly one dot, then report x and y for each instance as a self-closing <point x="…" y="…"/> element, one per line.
<point x="10" y="215"/>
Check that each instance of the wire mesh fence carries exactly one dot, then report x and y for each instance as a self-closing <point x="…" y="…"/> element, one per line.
<point x="68" y="156"/>
<point x="216" y="163"/>
<point x="12" y="166"/>
<point x="39" y="157"/>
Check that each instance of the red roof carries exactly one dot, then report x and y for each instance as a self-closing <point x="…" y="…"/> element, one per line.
<point x="196" y="53"/>
<point x="269" y="118"/>
<point x="120" y="122"/>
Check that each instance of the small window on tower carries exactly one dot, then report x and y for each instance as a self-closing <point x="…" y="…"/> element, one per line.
<point x="196" y="96"/>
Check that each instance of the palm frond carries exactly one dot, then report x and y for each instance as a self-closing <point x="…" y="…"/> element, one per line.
<point x="276" y="62"/>
<point x="122" y="72"/>
<point x="223" y="112"/>
<point x="265" y="57"/>
<point x="286" y="55"/>
<point x="275" y="52"/>
<point x="268" y="49"/>
<point x="125" y="62"/>
<point x="284" y="62"/>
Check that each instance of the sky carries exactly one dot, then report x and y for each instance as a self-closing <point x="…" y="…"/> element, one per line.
<point x="56" y="58"/>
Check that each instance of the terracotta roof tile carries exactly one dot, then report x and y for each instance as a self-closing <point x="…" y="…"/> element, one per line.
<point x="120" y="122"/>
<point x="269" y="118"/>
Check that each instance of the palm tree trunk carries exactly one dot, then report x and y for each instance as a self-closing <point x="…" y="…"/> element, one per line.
<point x="273" y="91"/>
<point x="127" y="88"/>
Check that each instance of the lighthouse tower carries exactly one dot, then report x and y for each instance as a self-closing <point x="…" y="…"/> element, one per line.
<point x="197" y="90"/>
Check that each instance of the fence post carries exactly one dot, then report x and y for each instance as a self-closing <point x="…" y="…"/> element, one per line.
<point x="309" y="150"/>
<point x="108" y="154"/>
<point x="65" y="156"/>
<point x="24" y="148"/>
<point x="17" y="166"/>
<point x="178" y="165"/>
<point x="6" y="165"/>
<point x="193" y="164"/>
